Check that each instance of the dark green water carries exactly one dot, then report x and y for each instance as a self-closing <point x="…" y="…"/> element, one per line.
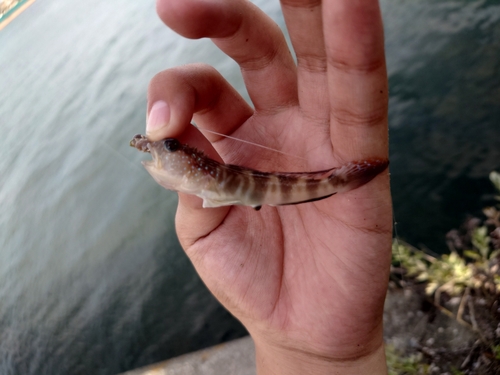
<point x="444" y="115"/>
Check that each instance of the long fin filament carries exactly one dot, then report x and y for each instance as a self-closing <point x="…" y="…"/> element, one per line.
<point x="251" y="143"/>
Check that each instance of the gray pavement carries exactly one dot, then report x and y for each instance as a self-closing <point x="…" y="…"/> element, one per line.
<point x="234" y="357"/>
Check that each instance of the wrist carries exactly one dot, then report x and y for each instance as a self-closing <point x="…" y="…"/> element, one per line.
<point x="277" y="359"/>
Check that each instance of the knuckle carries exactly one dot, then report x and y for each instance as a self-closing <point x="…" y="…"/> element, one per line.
<point x="351" y="117"/>
<point x="182" y="72"/>
<point x="360" y="65"/>
<point x="259" y="62"/>
<point x="312" y="63"/>
<point x="306" y="4"/>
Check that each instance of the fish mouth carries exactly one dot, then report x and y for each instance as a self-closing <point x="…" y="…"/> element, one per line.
<point x="140" y="142"/>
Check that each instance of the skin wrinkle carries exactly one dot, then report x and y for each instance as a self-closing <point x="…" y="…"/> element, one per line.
<point x="216" y="90"/>
<point x="234" y="34"/>
<point x="368" y="269"/>
<point x="317" y="266"/>
<point x="376" y="230"/>
<point x="354" y="118"/>
<point x="279" y="290"/>
<point x="280" y="140"/>
<point x="215" y="97"/>
<point x="210" y="106"/>
<point x="282" y="268"/>
<point x="323" y="123"/>
<point x="254" y="63"/>
<point x="303" y="226"/>
<point x="324" y="358"/>
<point x="277" y="109"/>
<point x="363" y="229"/>
<point x="320" y="209"/>
<point x="283" y="132"/>
<point x="301" y="4"/>
<point x="338" y="262"/>
<point x="284" y="299"/>
<point x="198" y="249"/>
<point x="363" y="67"/>
<point x="278" y="343"/>
<point x="226" y="300"/>
<point x="312" y="63"/>
<point x="266" y="137"/>
<point x="200" y="240"/>
<point x="310" y="242"/>
<point x="348" y="268"/>
<point x="248" y="256"/>
<point x="262" y="62"/>
<point x="215" y="112"/>
<point x="223" y="297"/>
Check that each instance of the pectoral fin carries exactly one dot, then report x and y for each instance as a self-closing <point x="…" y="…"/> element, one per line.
<point x="218" y="203"/>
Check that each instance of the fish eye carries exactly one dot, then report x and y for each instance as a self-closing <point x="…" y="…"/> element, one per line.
<point x="171" y="144"/>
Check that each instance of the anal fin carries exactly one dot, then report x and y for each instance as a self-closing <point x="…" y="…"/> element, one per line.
<point x="307" y="200"/>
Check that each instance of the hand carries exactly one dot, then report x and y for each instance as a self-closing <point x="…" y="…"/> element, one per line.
<point x="307" y="281"/>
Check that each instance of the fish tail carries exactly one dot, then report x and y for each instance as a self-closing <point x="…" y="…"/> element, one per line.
<point x="357" y="173"/>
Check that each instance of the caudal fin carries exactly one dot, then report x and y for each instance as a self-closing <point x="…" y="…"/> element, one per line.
<point x="357" y="173"/>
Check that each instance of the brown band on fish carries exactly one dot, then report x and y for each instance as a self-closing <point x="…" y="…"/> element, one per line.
<point x="312" y="186"/>
<point x="286" y="184"/>
<point x="260" y="186"/>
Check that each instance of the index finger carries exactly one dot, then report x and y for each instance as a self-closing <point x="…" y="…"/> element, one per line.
<point x="246" y="34"/>
<point x="357" y="78"/>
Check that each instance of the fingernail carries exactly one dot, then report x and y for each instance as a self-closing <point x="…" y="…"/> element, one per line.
<point x="159" y="116"/>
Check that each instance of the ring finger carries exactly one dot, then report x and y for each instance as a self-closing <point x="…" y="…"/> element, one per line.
<point x="304" y="22"/>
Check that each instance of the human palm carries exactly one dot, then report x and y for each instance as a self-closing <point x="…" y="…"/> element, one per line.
<point x="310" y="278"/>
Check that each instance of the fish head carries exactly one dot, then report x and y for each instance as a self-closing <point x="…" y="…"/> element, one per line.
<point x="174" y="165"/>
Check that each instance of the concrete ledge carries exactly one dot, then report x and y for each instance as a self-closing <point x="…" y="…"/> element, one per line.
<point x="405" y="323"/>
<point x="234" y="357"/>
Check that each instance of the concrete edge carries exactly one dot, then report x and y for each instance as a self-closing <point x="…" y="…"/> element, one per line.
<point x="234" y="357"/>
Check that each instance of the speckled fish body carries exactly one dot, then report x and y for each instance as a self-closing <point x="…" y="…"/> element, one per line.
<point x="176" y="166"/>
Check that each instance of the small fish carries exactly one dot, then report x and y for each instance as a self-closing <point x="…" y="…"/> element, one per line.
<point x="178" y="167"/>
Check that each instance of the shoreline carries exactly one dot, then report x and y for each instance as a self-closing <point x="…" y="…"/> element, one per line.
<point x="10" y="17"/>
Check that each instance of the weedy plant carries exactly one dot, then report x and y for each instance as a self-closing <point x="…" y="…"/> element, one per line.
<point x="399" y="364"/>
<point x="471" y="273"/>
